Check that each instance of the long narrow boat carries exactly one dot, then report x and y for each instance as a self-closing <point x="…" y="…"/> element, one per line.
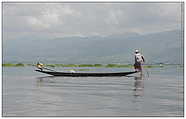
<point x="69" y="74"/>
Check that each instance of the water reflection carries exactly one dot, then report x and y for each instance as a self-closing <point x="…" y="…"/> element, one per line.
<point x="45" y="79"/>
<point x="139" y="86"/>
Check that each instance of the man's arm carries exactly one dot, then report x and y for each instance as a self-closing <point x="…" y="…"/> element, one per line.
<point x="143" y="58"/>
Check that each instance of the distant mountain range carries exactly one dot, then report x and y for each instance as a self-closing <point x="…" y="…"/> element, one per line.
<point x="162" y="47"/>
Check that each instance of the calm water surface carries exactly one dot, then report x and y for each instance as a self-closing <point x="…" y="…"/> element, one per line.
<point x="29" y="93"/>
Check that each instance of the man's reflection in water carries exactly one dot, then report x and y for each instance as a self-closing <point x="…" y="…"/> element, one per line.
<point x="138" y="93"/>
<point x="138" y="86"/>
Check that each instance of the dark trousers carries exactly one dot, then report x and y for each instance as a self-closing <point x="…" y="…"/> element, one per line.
<point x="137" y="66"/>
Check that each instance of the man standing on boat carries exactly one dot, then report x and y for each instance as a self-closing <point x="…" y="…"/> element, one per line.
<point x="139" y="60"/>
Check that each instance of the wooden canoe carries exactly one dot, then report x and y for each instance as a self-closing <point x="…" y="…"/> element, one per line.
<point x="69" y="74"/>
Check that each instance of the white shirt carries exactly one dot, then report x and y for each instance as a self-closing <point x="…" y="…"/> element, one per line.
<point x="139" y="58"/>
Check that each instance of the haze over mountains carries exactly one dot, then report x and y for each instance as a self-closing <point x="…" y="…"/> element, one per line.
<point x="162" y="47"/>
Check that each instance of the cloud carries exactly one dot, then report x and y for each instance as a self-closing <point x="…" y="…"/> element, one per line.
<point x="113" y="17"/>
<point x="68" y="19"/>
<point x="51" y="16"/>
<point x="45" y="21"/>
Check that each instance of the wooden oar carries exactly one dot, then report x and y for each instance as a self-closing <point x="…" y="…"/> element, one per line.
<point x="145" y="71"/>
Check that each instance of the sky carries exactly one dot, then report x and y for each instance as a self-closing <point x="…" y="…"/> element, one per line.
<point x="53" y="20"/>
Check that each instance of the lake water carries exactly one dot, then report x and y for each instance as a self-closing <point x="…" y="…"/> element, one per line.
<point x="30" y="93"/>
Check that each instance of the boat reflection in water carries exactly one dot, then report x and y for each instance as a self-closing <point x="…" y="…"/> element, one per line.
<point x="138" y="86"/>
<point x="45" y="79"/>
